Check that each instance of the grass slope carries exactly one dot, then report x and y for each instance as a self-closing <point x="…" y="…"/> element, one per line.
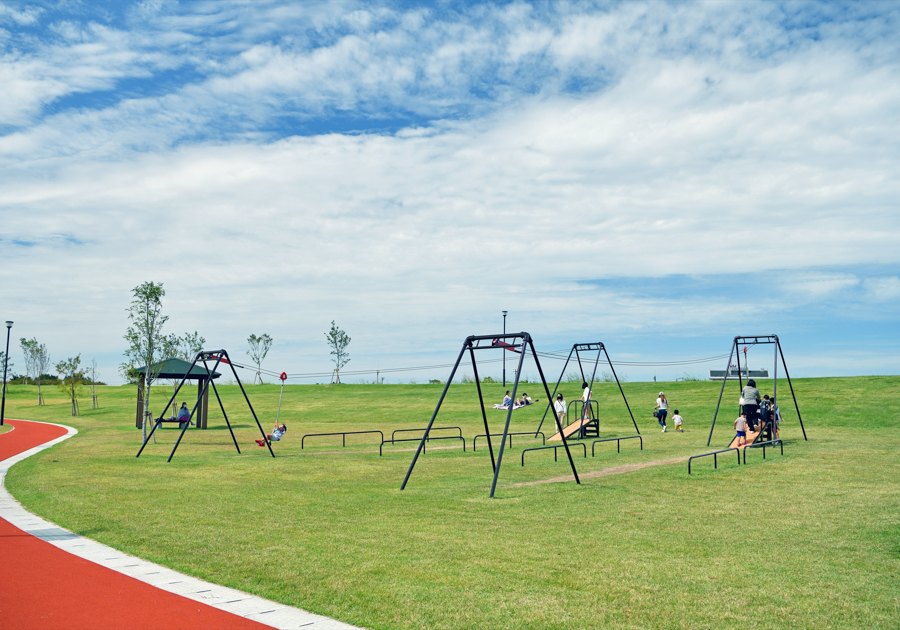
<point x="811" y="539"/>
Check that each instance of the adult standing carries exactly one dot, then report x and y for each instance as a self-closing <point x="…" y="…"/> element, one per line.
<point x="662" y="410"/>
<point x="559" y="406"/>
<point x="586" y="401"/>
<point x="751" y="403"/>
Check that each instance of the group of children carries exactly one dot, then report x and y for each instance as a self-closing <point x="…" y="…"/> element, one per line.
<point x="756" y="411"/>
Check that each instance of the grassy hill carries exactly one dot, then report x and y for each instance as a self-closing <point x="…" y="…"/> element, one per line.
<point x="810" y="539"/>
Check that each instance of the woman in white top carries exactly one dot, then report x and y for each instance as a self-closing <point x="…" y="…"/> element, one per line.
<point x="559" y="406"/>
<point x="662" y="408"/>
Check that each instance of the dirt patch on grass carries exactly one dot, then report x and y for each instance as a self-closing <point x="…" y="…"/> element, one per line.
<point x="615" y="470"/>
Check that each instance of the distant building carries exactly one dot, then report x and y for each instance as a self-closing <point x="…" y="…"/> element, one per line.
<point x="718" y="375"/>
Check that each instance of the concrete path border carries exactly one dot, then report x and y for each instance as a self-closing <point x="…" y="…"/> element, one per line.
<point x="229" y="600"/>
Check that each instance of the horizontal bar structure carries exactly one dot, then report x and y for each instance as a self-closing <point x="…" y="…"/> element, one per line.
<point x="763" y="445"/>
<point x="735" y="350"/>
<point x="344" y="435"/>
<point x="427" y="432"/>
<point x="484" y="435"/>
<point x="520" y="343"/>
<point x="577" y="350"/>
<point x="618" y="442"/>
<point x="204" y="356"/>
<point x="714" y="456"/>
<point x="448" y="437"/>
<point x="554" y="447"/>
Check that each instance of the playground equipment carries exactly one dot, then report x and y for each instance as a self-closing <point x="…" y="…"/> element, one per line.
<point x="765" y="427"/>
<point x="519" y="343"/>
<point x="587" y="423"/>
<point x="204" y="356"/>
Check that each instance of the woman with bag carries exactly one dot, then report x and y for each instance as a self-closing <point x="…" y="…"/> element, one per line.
<point x="662" y="410"/>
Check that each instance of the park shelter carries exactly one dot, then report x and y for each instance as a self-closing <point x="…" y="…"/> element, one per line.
<point x="177" y="369"/>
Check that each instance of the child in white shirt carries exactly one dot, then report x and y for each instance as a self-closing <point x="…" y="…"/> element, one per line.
<point x="679" y="422"/>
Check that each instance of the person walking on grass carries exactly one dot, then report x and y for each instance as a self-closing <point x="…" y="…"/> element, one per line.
<point x="662" y="410"/>
<point x="740" y="427"/>
<point x="559" y="406"/>
<point x="678" y="421"/>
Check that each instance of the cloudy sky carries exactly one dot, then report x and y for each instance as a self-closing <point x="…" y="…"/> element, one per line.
<point x="657" y="176"/>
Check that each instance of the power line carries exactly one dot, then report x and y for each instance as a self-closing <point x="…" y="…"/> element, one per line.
<point x="558" y="355"/>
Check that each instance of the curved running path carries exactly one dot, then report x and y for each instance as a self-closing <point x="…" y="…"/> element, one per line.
<point x="44" y="587"/>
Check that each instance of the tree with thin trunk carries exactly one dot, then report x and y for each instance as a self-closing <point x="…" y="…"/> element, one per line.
<point x="28" y="349"/>
<point x="338" y="341"/>
<point x="93" y="372"/>
<point x="185" y="348"/>
<point x="71" y="377"/>
<point x="146" y="343"/>
<point x="259" y="348"/>
<point x="41" y="367"/>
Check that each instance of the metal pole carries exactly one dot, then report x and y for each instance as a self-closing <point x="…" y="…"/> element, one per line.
<point x="466" y="344"/>
<point x="5" y="364"/>
<point x="483" y="412"/>
<point x="621" y="391"/>
<point x="794" y="396"/>
<point x="553" y="395"/>
<point x="558" y="423"/>
<point x="504" y="354"/>
<point x="512" y="404"/>
<point x="722" y="391"/>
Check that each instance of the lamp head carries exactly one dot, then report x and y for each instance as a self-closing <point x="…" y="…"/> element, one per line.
<point x="504" y="315"/>
<point x="9" y="324"/>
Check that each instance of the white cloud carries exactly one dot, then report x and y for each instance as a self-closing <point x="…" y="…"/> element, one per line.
<point x="716" y="143"/>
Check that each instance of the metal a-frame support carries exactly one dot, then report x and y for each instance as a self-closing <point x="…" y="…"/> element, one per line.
<point x="492" y="342"/>
<point x="219" y="356"/>
<point x="577" y="349"/>
<point x="756" y="340"/>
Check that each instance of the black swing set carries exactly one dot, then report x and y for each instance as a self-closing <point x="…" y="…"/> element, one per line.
<point x="204" y="356"/>
<point x="735" y="350"/>
<point x="592" y="427"/>
<point x="519" y="343"/>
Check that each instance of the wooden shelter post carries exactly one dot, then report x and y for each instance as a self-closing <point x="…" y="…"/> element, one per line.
<point x="139" y="417"/>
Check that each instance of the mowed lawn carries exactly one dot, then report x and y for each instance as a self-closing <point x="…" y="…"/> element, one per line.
<point x="810" y="539"/>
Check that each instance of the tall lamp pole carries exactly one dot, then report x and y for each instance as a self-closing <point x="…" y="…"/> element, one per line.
<point x="5" y="363"/>
<point x="504" y="354"/>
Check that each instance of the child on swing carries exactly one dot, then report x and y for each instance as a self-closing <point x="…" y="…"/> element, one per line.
<point x="275" y="435"/>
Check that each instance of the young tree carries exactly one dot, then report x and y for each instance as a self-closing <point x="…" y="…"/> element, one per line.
<point x="29" y="348"/>
<point x="41" y="366"/>
<point x="71" y="377"/>
<point x="259" y="348"/>
<point x="146" y="342"/>
<point x="93" y="373"/>
<point x="188" y="345"/>
<point x="338" y="341"/>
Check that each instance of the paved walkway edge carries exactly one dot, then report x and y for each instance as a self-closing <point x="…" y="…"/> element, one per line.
<point x="227" y="599"/>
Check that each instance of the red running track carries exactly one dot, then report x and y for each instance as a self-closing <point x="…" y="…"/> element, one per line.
<point x="44" y="588"/>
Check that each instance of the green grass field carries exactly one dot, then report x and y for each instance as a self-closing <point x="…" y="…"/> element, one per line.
<point x="807" y="540"/>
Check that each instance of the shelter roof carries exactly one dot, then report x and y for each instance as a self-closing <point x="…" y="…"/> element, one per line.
<point x="177" y="368"/>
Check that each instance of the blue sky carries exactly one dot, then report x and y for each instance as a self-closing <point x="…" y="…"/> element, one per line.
<point x="658" y="176"/>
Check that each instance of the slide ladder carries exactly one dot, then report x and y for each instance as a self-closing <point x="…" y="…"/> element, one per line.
<point x="752" y="437"/>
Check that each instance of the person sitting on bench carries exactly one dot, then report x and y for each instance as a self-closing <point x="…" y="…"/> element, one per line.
<point x="184" y="415"/>
<point x="275" y="435"/>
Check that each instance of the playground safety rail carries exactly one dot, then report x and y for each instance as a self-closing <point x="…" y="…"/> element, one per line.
<point x="448" y="437"/>
<point x="715" y="455"/>
<point x="763" y="445"/>
<point x="343" y="435"/>
<point x="554" y="447"/>
<point x="429" y="432"/>
<point x="618" y="442"/>
<point x="531" y="433"/>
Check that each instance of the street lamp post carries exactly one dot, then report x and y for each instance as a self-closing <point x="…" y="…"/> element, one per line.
<point x="5" y="363"/>
<point x="504" y="354"/>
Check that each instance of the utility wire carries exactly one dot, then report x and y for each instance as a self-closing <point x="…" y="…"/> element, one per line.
<point x="558" y="355"/>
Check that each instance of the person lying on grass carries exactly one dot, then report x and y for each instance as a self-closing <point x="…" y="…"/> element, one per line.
<point x="275" y="435"/>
